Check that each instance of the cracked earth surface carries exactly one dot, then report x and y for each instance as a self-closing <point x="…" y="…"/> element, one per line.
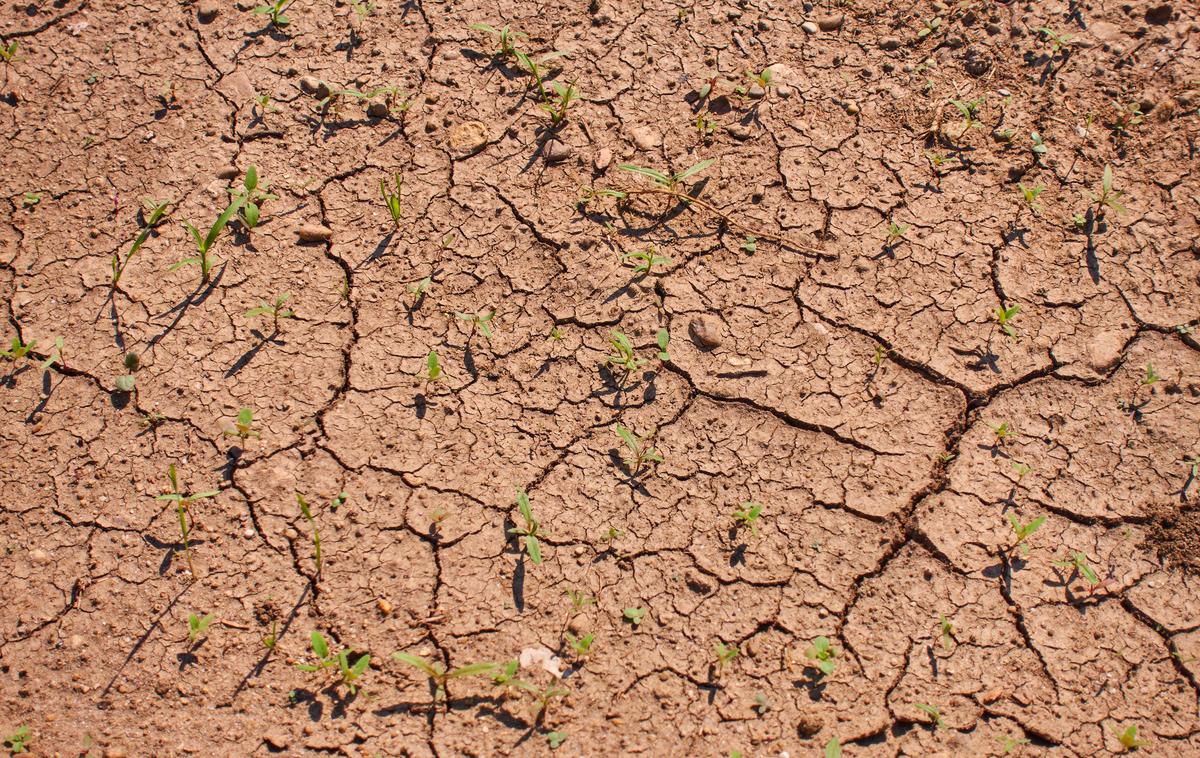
<point x="850" y="382"/>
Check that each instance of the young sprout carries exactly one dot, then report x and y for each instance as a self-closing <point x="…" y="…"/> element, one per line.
<point x="1022" y="532"/>
<point x="275" y="310"/>
<point x="1009" y="743"/>
<point x="433" y="369"/>
<point x="641" y="452"/>
<point x="1002" y="432"/>
<point x="204" y="244"/>
<point x="646" y="260"/>
<point x="556" y="106"/>
<point x="437" y="673"/>
<point x="542" y="696"/>
<point x="30" y="199"/>
<point x="8" y="53"/>
<point x="362" y="9"/>
<point x="579" y="600"/>
<point x="1039" y="148"/>
<point x="663" y="338"/>
<point x="479" y="321"/>
<point x="634" y="615"/>
<point x="1151" y="376"/>
<point x="1108" y="197"/>
<point x="18" y="741"/>
<point x="1127" y="115"/>
<point x="749" y="244"/>
<point x="554" y="739"/>
<point x="969" y="110"/>
<point x="340" y="661"/>
<point x="580" y="646"/>
<point x="895" y="232"/>
<point x="530" y="529"/>
<point x="183" y="503"/>
<point x="243" y="427"/>
<point x="673" y="181"/>
<point x="128" y="382"/>
<point x="623" y="358"/>
<point x="1057" y="41"/>
<point x="391" y="200"/>
<point x="156" y="210"/>
<point x="822" y="653"/>
<point x="929" y="27"/>
<point x="18" y="349"/>
<point x="275" y="12"/>
<point x="198" y="626"/>
<point x="724" y="655"/>
<point x="418" y="289"/>
<point x="269" y="640"/>
<point x="54" y="357"/>
<point x="833" y="748"/>
<point x="748" y="516"/>
<point x="1031" y="195"/>
<point x="935" y="715"/>
<point x="1022" y="469"/>
<point x="316" y="535"/>
<point x="1078" y="562"/>
<point x="506" y="37"/>
<point x="947" y="629"/>
<point x="252" y="196"/>
<point x="1128" y="738"/>
<point x="1004" y="317"/>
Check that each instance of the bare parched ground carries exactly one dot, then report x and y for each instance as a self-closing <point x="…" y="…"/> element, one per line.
<point x="908" y="316"/>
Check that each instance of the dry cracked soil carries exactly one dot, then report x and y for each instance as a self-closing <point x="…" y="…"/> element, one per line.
<point x="927" y="417"/>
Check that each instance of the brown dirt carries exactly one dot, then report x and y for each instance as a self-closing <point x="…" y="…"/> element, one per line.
<point x="848" y="382"/>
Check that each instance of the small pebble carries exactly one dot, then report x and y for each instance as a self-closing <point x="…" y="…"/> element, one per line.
<point x="207" y="10"/>
<point x="309" y="84"/>
<point x="377" y="110"/>
<point x="556" y="152"/>
<point x="603" y="159"/>
<point x="228" y="172"/>
<point x="314" y="233"/>
<point x="706" y="331"/>
<point x="809" y="27"/>
<point x="831" y="23"/>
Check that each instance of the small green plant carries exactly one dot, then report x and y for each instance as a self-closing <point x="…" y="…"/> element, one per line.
<point x="723" y="655"/>
<point x="1030" y="194"/>
<point x="1022" y="532"/>
<point x="1128" y="114"/>
<point x="506" y="37"/>
<point x="128" y="382"/>
<point x="935" y="715"/>
<point x="1151" y="376"/>
<point x="440" y="676"/>
<point x="556" y="105"/>
<point x="18" y="741"/>
<point x="1002" y="432"/>
<point x="54" y="357"/>
<point x="1078" y="562"/>
<point x="555" y="739"/>
<point x="1038" y="147"/>
<point x="542" y="696"/>
<point x="822" y="653"/>
<point x="663" y="339"/>
<point x="18" y="349"/>
<point x="895" y="232"/>
<point x="243" y="427"/>
<point x="970" y="111"/>
<point x="198" y="626"/>
<point x="204" y="244"/>
<point x="480" y="321"/>
<point x="272" y="638"/>
<point x="579" y="599"/>
<point x="748" y="515"/>
<point x="306" y="512"/>
<point x="418" y="289"/>
<point x="339" y="661"/>
<point x="8" y="53"/>
<point x="1128" y="738"/>
<point x="947" y="630"/>
<point x="580" y="646"/>
<point x="749" y="244"/>
<point x="433" y="369"/>
<point x="156" y="212"/>
<point x="183" y="503"/>
<point x="530" y="529"/>
<point x="539" y="80"/>
<point x="1022" y="469"/>
<point x="252" y="196"/>
<point x="1057" y="41"/>
<point x="670" y="182"/>
<point x="391" y="200"/>
<point x="929" y="27"/>
<point x="1004" y="318"/>
<point x="362" y="9"/>
<point x="1009" y="743"/>
<point x="645" y="261"/>
<point x="275" y="310"/>
<point x="640" y="451"/>
<point x="274" y="12"/>
<point x="624" y="357"/>
<point x="30" y="199"/>
<point x="1108" y="197"/>
<point x="634" y="615"/>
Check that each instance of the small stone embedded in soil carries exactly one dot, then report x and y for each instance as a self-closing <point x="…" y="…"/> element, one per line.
<point x="809" y="27"/>
<point x="309" y="84"/>
<point x="207" y="10"/>
<point x="706" y="331"/>
<point x="277" y="739"/>
<point x="1160" y="14"/>
<point x="831" y="23"/>
<point x="228" y="172"/>
<point x="384" y="606"/>
<point x="556" y="152"/>
<point x="890" y="43"/>
<point x="603" y="159"/>
<point x="377" y="110"/>
<point x="314" y="233"/>
<point x="645" y="139"/>
<point x="468" y="136"/>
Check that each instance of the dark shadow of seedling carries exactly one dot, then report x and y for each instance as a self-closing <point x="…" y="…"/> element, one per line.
<point x="141" y="641"/>
<point x="180" y="309"/>
<point x="308" y="699"/>
<point x="246" y="357"/>
<point x="738" y="556"/>
<point x="813" y="683"/>
<point x="188" y="657"/>
<point x="421" y="405"/>
<point x="378" y="252"/>
<point x="171" y="550"/>
<point x="631" y="478"/>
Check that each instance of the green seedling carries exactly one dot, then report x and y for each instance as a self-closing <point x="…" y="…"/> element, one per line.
<point x="18" y="741"/>
<point x="580" y="646"/>
<point x="198" y="626"/>
<point x="275" y="12"/>
<point x="1108" y="197"/>
<point x="723" y="656"/>
<point x="530" y="529"/>
<point x="1002" y="432"/>
<point x="1022" y="532"/>
<point x="18" y="349"/>
<point x="437" y="673"/>
<point x="253" y="195"/>
<point x="969" y="110"/>
<point x="506" y="37"/>
<point x="579" y="600"/>
<point x="480" y="322"/>
<point x="556" y="106"/>
<point x="504" y="673"/>
<point x="535" y="70"/>
<point x="1039" y="148"/>
<point x="54" y="357"/>
<point x="418" y="289"/>
<point x="640" y="451"/>
<point x="634" y="615"/>
<point x="340" y="661"/>
<point x="1127" y="115"/>
<point x="270" y="640"/>
<point x="1194" y="463"/>
<point x="947" y="630"/>
<point x="1004" y="318"/>
<point x="748" y="515"/>
<point x="30" y="199"/>
<point x="338" y="501"/>
<point x="669" y="182"/>
<point x="895" y="232"/>
<point x="555" y="739"/>
<point x="183" y="503"/>
<point x="929" y="27"/>
<point x="1022" y="469"/>
<point x="204" y="244"/>
<point x="833" y="748"/>
<point x="705" y="126"/>
<point x="391" y="200"/>
<point x="762" y="706"/>
<point x="8" y="53"/>
<point x="433" y="369"/>
<point x="156" y="212"/>
<point x="1078" y="562"/>
<point x="1009" y="743"/>
<point x="623" y="358"/>
<point x="128" y="382"/>
<point x="1079" y="221"/>
<point x="1129" y="739"/>
<point x="275" y="310"/>
<point x="306" y="512"/>
<point x="749" y="245"/>
<point x="822" y="652"/>
<point x="1030" y="194"/>
<point x="663" y="339"/>
<point x="362" y="9"/>
<point x="543" y="696"/>
<point x="1151" y="376"/>
<point x="935" y="715"/>
<point x="265" y="105"/>
<point x="1057" y="41"/>
<point x="645" y="261"/>
<point x="243" y="428"/>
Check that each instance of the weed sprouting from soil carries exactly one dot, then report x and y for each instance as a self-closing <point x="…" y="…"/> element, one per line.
<point x="156" y="212"/>
<point x="723" y="656"/>
<point x="822" y="653"/>
<point x="529" y="529"/>
<point x="644" y="261"/>
<point x="243" y="427"/>
<point x="339" y="662"/>
<point x="18" y="741"/>
<point x="204" y="244"/>
<point x="480" y="321"/>
<point x="1078" y="564"/>
<point x="183" y="503"/>
<point x="437" y="673"/>
<point x="747" y="516"/>
<point x="1129" y="738"/>
<point x="274" y="12"/>
<point x="252" y="196"/>
<point x="198" y="626"/>
<point x="934" y="713"/>
<point x="639" y="450"/>
<point x="306" y="512"/>
<point x="1022" y="532"/>
<point x="276" y="310"/>
<point x="391" y="200"/>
